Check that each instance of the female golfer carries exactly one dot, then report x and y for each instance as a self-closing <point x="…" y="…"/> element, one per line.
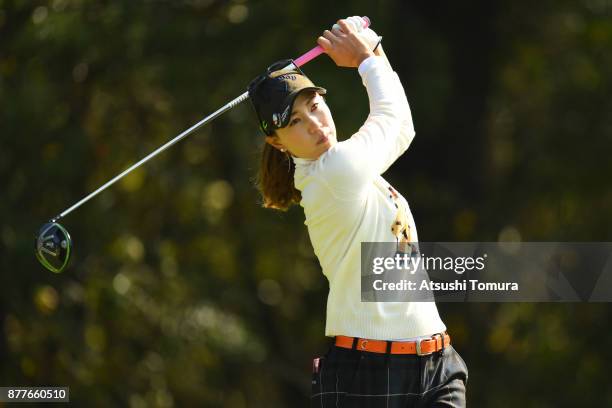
<point x="384" y="354"/>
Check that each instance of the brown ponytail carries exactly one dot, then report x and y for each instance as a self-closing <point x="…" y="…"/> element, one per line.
<point x="275" y="179"/>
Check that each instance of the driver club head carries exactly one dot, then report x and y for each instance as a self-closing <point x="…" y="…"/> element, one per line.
<point x="53" y="246"/>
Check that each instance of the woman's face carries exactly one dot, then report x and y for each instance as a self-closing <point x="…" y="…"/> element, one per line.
<point x="311" y="130"/>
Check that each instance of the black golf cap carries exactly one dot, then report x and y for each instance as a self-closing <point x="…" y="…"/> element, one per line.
<point x="273" y="94"/>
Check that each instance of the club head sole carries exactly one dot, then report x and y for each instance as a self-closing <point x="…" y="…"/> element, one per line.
<point x="53" y="247"/>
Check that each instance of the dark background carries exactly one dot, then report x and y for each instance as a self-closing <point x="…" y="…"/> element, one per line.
<point x="183" y="291"/>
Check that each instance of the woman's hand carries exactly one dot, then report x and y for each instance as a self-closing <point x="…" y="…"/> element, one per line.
<point x="359" y="26"/>
<point x="345" y="47"/>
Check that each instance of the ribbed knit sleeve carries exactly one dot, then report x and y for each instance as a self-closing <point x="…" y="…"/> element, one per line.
<point x="351" y="165"/>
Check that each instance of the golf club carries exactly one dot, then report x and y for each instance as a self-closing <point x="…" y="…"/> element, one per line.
<point x="53" y="245"/>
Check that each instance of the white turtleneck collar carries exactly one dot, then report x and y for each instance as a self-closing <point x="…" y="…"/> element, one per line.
<point x="302" y="162"/>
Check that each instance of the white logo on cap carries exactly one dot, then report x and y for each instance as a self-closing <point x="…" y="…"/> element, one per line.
<point x="285" y="113"/>
<point x="278" y="119"/>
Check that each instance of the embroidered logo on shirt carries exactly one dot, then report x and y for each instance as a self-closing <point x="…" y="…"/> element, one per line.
<point x="400" y="228"/>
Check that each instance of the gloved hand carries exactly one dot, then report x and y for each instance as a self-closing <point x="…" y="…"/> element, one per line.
<point x="367" y="34"/>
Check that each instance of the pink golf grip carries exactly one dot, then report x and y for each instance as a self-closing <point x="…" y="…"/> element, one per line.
<point x="316" y="51"/>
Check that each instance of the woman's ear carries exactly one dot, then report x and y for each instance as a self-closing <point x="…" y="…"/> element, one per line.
<point x="274" y="141"/>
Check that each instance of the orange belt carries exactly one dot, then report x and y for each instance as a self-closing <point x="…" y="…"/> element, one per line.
<point x="420" y="347"/>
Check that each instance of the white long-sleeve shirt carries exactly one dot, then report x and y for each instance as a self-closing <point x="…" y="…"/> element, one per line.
<point x="346" y="201"/>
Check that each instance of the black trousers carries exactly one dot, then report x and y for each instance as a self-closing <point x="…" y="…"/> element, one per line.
<point x="353" y="378"/>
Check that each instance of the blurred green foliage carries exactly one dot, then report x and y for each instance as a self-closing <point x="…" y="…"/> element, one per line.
<point x="183" y="291"/>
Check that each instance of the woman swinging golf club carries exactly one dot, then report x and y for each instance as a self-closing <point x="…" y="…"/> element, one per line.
<point x="394" y="354"/>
